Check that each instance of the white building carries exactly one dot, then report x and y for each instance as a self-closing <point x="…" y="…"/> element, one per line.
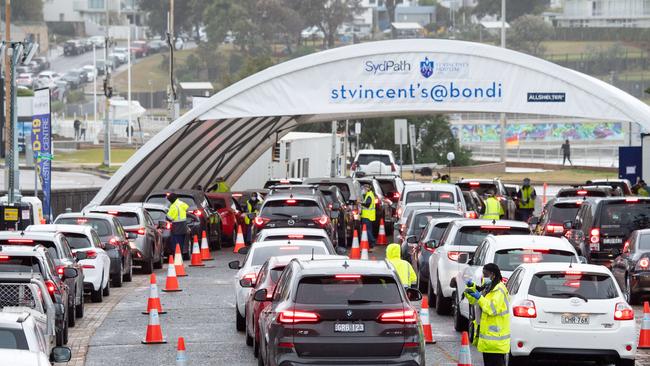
<point x="605" y="13"/>
<point x="374" y="14"/>
<point x="92" y="13"/>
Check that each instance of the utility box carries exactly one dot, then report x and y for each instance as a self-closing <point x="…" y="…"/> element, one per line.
<point x="645" y="152"/>
<point x="15" y="217"/>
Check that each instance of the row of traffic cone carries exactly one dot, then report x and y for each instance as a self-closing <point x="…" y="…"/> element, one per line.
<point x="359" y="251"/>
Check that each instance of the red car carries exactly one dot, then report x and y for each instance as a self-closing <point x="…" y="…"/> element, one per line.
<point x="231" y="214"/>
<point x="139" y="49"/>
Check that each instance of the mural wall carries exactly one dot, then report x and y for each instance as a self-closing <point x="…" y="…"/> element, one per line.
<point x="546" y="132"/>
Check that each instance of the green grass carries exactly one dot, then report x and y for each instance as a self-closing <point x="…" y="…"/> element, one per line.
<point x="576" y="50"/>
<point x="560" y="176"/>
<point x="148" y="69"/>
<point x="93" y="156"/>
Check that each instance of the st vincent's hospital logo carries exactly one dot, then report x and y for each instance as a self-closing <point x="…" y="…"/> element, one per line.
<point x="458" y="68"/>
<point x="426" y="67"/>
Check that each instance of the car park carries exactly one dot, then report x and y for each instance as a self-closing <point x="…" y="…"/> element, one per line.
<point x="232" y="215"/>
<point x="602" y="225"/>
<point x="89" y="251"/>
<point x="569" y="311"/>
<point x="369" y="162"/>
<point x="632" y="268"/>
<point x="507" y="252"/>
<point x="588" y="191"/>
<point x="259" y="253"/>
<point x="348" y="311"/>
<point x="23" y="342"/>
<point x="59" y="252"/>
<point x="112" y="235"/>
<point x="552" y="217"/>
<point x="483" y="186"/>
<point x="144" y="238"/>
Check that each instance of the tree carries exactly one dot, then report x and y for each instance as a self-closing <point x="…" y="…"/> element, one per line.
<point x="527" y="34"/>
<point x="514" y="8"/>
<point x="327" y="15"/>
<point x="25" y="10"/>
<point x="186" y="15"/>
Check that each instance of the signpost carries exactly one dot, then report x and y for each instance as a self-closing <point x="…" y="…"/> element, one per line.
<point x="412" y="143"/>
<point x="400" y="138"/>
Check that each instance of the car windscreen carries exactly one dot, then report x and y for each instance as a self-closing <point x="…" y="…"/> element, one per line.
<point x="126" y="218"/>
<point x="581" y="193"/>
<point x="429" y="196"/>
<point x="573" y="283"/>
<point x="509" y="259"/>
<point x="262" y="254"/>
<point x="291" y="208"/>
<point x="348" y="290"/>
<point x="480" y="188"/>
<point x="21" y="263"/>
<point x="436" y="232"/>
<point x="77" y="241"/>
<point x="50" y="246"/>
<point x="474" y="235"/>
<point x="101" y="226"/>
<point x="13" y="339"/>
<point x="561" y="212"/>
<point x="628" y="216"/>
<point x="365" y="159"/>
<point x="157" y="215"/>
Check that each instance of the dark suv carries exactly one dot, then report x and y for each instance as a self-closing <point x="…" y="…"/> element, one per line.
<point x="602" y="225"/>
<point x="340" y="312"/>
<point x="589" y="191"/>
<point x="554" y="214"/>
<point x="295" y="210"/>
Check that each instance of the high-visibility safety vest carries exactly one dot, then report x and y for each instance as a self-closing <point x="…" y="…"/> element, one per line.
<point x="494" y="325"/>
<point x="493" y="209"/>
<point x="178" y="211"/>
<point x="369" y="212"/>
<point x="527" y="196"/>
<point x="250" y="208"/>
<point x="403" y="268"/>
<point x="222" y="187"/>
<point x="437" y="180"/>
<point x="643" y="192"/>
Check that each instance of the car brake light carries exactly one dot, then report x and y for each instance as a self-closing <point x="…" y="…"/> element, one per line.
<point x="474" y="184"/>
<point x="393" y="168"/>
<point x="260" y="222"/>
<point x="581" y="192"/>
<point x="20" y="241"/>
<point x="347" y="276"/>
<point x="400" y="316"/>
<point x="91" y="254"/>
<point x="573" y="272"/>
<point x="237" y="195"/>
<point x="82" y="221"/>
<point x="87" y="266"/>
<point x="113" y="241"/>
<point x="112" y="212"/>
<point x="250" y="278"/>
<point x="504" y="280"/>
<point x="284" y="181"/>
<point x="623" y="311"/>
<point x="141" y="231"/>
<point x="453" y="256"/>
<point x="632" y="199"/>
<point x="643" y="263"/>
<point x="322" y="220"/>
<point x="293" y="247"/>
<point x="355" y="212"/>
<point x="297" y="316"/>
<point x="198" y="213"/>
<point x="396" y="195"/>
<point x="594" y="235"/>
<point x="4" y="257"/>
<point x="495" y="227"/>
<point x="51" y="287"/>
<point x="290" y="202"/>
<point x="471" y="215"/>
<point x="526" y="309"/>
<point x="555" y="228"/>
<point x="296" y="236"/>
<point x="285" y="345"/>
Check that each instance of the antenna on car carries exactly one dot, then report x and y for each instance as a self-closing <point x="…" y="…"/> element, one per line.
<point x="571" y="262"/>
<point x="312" y="253"/>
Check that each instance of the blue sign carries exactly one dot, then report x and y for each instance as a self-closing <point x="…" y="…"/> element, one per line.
<point x="42" y="145"/>
<point x="426" y="67"/>
<point x="546" y="97"/>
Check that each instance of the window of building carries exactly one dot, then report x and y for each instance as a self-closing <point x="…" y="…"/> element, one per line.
<point x="96" y="4"/>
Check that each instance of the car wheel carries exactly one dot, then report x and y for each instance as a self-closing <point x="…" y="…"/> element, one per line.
<point x="625" y="362"/>
<point x="128" y="276"/>
<point x="443" y="304"/>
<point x="59" y="338"/>
<point x="240" y="321"/>
<point x="72" y="315"/>
<point x="81" y="307"/>
<point x="517" y="361"/>
<point x="117" y="278"/>
<point x="460" y="323"/>
<point x="630" y="297"/>
<point x="249" y="338"/>
<point x="107" y="289"/>
<point x="97" y="296"/>
<point x="432" y="295"/>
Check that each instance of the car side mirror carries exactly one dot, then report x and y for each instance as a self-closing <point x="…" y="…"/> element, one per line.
<point x="341" y="251"/>
<point x="260" y="295"/>
<point x="81" y="255"/>
<point x="234" y="265"/>
<point x="411" y="239"/>
<point x="131" y="236"/>
<point x="568" y="225"/>
<point x="70" y="273"/>
<point x="243" y="250"/>
<point x="463" y="258"/>
<point x="582" y="260"/>
<point x="247" y="282"/>
<point x="534" y="220"/>
<point x="413" y="294"/>
<point x="60" y="354"/>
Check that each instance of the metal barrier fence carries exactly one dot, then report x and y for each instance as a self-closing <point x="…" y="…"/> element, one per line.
<point x="595" y="156"/>
<point x="16" y="294"/>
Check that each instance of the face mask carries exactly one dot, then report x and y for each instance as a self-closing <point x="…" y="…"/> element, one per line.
<point x="487" y="281"/>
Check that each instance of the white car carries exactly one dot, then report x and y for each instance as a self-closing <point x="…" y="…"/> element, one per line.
<point x="88" y="249"/>
<point x="22" y="335"/>
<point x="47" y="79"/>
<point x="574" y="310"/>
<point x="371" y="162"/>
<point x="461" y="236"/>
<point x="431" y="193"/>
<point x="90" y="71"/>
<point x="294" y="234"/>
<point x="507" y="252"/>
<point x="256" y="255"/>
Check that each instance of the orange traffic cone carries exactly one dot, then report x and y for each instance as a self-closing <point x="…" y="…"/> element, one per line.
<point x="381" y="237"/>
<point x="178" y="262"/>
<point x="154" y="300"/>
<point x="181" y="359"/>
<point x="154" y="332"/>
<point x="196" y="254"/>
<point x="205" y="249"/>
<point x="239" y="243"/>
<point x="171" y="284"/>
<point x="644" y="337"/>
<point x="464" y="353"/>
<point x="365" y="246"/>
<point x="355" y="252"/>
<point x="426" y="324"/>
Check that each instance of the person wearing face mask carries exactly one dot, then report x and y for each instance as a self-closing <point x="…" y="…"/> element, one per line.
<point x="368" y="213"/>
<point x="492" y="331"/>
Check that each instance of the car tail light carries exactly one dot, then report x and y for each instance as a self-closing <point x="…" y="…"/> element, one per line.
<point x="400" y="316"/>
<point x="198" y="213"/>
<point x="82" y="221"/>
<point x="623" y="311"/>
<point x="526" y="309"/>
<point x="632" y="199"/>
<point x="260" y="222"/>
<point x="4" y="257"/>
<point x="594" y="235"/>
<point x="504" y="280"/>
<point x="139" y="231"/>
<point x="471" y="215"/>
<point x="293" y="247"/>
<point x="353" y="167"/>
<point x="168" y="225"/>
<point x="296" y="236"/>
<point x="285" y="345"/>
<point x="643" y="264"/>
<point x="347" y="276"/>
<point x="113" y="241"/>
<point x="474" y="184"/>
<point x="51" y="288"/>
<point x="554" y="228"/>
<point x="297" y="316"/>
<point x="284" y="181"/>
<point x="411" y="345"/>
<point x="393" y="168"/>
<point x="432" y="250"/>
<point x="20" y="241"/>
<point x="87" y="266"/>
<point x="250" y="278"/>
<point x="453" y="256"/>
<point x="292" y="202"/>
<point x="581" y="192"/>
<point x="322" y="220"/>
<point x="112" y="212"/>
<point x="59" y="270"/>
<point x="91" y="254"/>
<point x="495" y="227"/>
<point x="396" y="195"/>
<point x="355" y="212"/>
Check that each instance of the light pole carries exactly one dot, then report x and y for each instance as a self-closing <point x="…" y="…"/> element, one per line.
<point x="108" y="92"/>
<point x="502" y="140"/>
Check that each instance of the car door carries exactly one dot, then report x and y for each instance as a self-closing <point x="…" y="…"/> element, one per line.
<point x="101" y="253"/>
<point x="622" y="262"/>
<point x="154" y="234"/>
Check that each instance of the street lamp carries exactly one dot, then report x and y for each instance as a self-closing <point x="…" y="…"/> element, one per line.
<point x="450" y="157"/>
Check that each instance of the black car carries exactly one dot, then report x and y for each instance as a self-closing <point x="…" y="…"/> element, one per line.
<point x="342" y="216"/>
<point x="482" y="186"/>
<point x="72" y="48"/>
<point x="602" y="225"/>
<point x="59" y="249"/>
<point x="632" y="268"/>
<point x="295" y="210"/>
<point x="199" y="206"/>
<point x="340" y="312"/>
<point x="475" y="204"/>
<point x="115" y="240"/>
<point x="73" y="78"/>
<point x="551" y="220"/>
<point x="588" y="191"/>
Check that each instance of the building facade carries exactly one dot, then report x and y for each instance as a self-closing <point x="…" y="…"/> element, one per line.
<point x="605" y="13"/>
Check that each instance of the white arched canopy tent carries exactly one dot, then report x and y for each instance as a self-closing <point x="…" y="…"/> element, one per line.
<point x="225" y="134"/>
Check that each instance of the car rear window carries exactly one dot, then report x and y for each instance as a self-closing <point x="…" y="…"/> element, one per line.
<point x="19" y="264"/>
<point x="582" y="193"/>
<point x="644" y="242"/>
<point x="13" y="339"/>
<point x="421" y="220"/>
<point x="437" y="231"/>
<point x="157" y="215"/>
<point x="365" y="159"/>
<point x="474" y="235"/>
<point x="291" y="208"/>
<point x="387" y="186"/>
<point x="126" y="218"/>
<point x="571" y="284"/>
<point x="480" y="188"/>
<point x="509" y="259"/>
<point x="262" y="254"/>
<point x="101" y="226"/>
<point x="429" y="196"/>
<point x="561" y="212"/>
<point x="625" y="215"/>
<point x="330" y="290"/>
<point x="50" y="246"/>
<point x="77" y="241"/>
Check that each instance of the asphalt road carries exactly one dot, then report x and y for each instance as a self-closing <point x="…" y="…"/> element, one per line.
<point x="62" y="63"/>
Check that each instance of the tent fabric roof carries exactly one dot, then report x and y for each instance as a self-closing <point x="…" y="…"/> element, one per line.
<point x="225" y="134"/>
